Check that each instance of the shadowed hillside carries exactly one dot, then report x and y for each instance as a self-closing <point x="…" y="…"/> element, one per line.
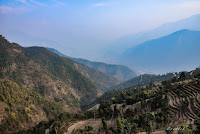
<point x="122" y="73"/>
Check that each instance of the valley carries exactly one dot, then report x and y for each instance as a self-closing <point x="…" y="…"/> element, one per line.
<point x="42" y="92"/>
<point x="99" y="67"/>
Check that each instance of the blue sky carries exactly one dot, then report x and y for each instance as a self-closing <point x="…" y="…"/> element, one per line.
<point x="82" y="28"/>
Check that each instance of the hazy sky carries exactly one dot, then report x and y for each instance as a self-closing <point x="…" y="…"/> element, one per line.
<point x="82" y="27"/>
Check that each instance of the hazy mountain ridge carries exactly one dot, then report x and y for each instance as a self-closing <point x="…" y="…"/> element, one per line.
<point x="121" y="72"/>
<point x="175" y="52"/>
<point x="122" y="44"/>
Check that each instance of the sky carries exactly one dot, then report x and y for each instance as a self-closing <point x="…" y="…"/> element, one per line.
<point x="84" y="28"/>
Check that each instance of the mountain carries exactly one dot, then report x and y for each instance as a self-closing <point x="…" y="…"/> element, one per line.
<point x="37" y="85"/>
<point x="122" y="73"/>
<point x="102" y="80"/>
<point x="52" y="76"/>
<point x="144" y="79"/>
<point x="175" y="52"/>
<point x="120" y="45"/>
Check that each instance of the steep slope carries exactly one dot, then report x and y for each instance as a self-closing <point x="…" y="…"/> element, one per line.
<point x="120" y="45"/>
<point x="122" y="73"/>
<point x="17" y="106"/>
<point x="175" y="52"/>
<point x="102" y="80"/>
<point x="50" y="75"/>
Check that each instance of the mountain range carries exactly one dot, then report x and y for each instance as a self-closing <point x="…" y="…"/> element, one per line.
<point x="122" y="44"/>
<point x="45" y="91"/>
<point x="178" y="51"/>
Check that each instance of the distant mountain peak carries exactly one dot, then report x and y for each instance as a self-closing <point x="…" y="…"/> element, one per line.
<point x="178" y="51"/>
<point x="123" y="43"/>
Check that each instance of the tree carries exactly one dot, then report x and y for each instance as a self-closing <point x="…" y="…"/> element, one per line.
<point x="197" y="123"/>
<point x="182" y="76"/>
<point x="88" y="128"/>
<point x="184" y="130"/>
<point x="145" y="121"/>
<point x="105" y="109"/>
<point x="81" y="131"/>
<point x="134" y="128"/>
<point x="105" y="127"/>
<point x="120" y="126"/>
<point x="116" y="111"/>
<point x="129" y="100"/>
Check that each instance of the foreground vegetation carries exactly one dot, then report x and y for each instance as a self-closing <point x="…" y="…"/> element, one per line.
<point x="164" y="106"/>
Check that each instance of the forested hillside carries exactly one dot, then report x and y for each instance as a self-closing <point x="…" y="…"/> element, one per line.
<point x="144" y="79"/>
<point x="41" y="70"/>
<point x="37" y="72"/>
<point x="24" y="108"/>
<point x="101" y="79"/>
<point x="120" y="72"/>
<point x="154" y="107"/>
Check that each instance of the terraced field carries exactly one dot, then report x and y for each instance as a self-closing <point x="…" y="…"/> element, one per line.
<point x="184" y="104"/>
<point x="181" y="98"/>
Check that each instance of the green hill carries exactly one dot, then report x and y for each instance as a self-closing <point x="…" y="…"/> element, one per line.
<point x="39" y="79"/>
<point x="50" y="75"/>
